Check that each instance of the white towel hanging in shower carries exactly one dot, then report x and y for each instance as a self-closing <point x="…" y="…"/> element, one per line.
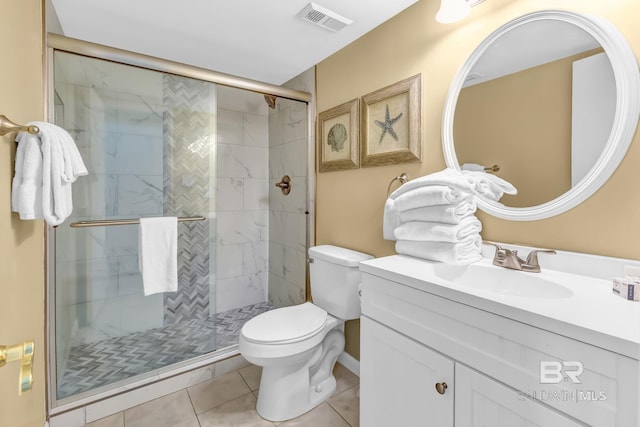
<point x="158" y="254"/>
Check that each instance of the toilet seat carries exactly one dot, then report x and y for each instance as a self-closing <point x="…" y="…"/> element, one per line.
<point x="285" y="325"/>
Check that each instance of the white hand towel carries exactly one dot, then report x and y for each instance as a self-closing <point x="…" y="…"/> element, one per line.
<point x="26" y="188"/>
<point x="56" y="194"/>
<point x="16" y="182"/>
<point x="73" y="164"/>
<point x="430" y="196"/>
<point x="447" y="214"/>
<point x="439" y="232"/>
<point x="464" y="252"/>
<point x="46" y="166"/>
<point x="447" y="177"/>
<point x="490" y="186"/>
<point x="158" y="254"/>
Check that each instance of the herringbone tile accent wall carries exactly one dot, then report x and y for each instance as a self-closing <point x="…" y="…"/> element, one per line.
<point x="189" y="156"/>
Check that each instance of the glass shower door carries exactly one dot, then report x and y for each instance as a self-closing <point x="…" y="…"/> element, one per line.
<point x="159" y="144"/>
<point x="149" y="142"/>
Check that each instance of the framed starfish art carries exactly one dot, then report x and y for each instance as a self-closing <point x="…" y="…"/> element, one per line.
<point x="390" y="125"/>
<point x="338" y="137"/>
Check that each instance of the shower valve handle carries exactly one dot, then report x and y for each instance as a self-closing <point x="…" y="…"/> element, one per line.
<point x="284" y="184"/>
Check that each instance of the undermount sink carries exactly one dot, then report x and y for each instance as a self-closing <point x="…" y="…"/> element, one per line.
<point x="487" y="277"/>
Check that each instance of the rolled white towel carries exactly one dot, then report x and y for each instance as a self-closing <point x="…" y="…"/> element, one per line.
<point x="490" y="186"/>
<point x="446" y="177"/>
<point x="463" y="252"/>
<point x="448" y="214"/>
<point x="437" y="231"/>
<point x="432" y="195"/>
<point x="390" y="219"/>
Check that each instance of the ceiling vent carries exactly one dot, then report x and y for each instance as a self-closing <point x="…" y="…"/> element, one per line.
<point x="324" y="17"/>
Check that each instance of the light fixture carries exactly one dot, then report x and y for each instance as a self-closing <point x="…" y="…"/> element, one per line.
<point x="454" y="10"/>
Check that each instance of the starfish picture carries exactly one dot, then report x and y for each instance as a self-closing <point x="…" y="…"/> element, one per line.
<point x="387" y="125"/>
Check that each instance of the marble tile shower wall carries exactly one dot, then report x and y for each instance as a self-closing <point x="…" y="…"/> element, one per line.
<point x="287" y="217"/>
<point x="119" y="134"/>
<point x="242" y="209"/>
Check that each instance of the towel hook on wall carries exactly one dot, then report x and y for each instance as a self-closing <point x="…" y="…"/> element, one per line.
<point x="7" y="126"/>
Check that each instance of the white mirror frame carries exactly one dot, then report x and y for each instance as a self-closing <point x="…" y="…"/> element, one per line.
<point x="627" y="78"/>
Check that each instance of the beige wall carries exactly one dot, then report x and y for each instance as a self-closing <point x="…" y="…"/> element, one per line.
<point x="22" y="242"/>
<point x="350" y="203"/>
<point x="521" y="122"/>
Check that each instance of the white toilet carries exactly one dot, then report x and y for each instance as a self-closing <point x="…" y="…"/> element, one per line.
<point x="297" y="346"/>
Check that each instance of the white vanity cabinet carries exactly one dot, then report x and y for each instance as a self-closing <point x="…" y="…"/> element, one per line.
<point x="398" y="378"/>
<point x="413" y="336"/>
<point x="482" y="401"/>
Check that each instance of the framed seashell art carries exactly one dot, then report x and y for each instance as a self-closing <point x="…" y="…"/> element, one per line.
<point x="391" y="124"/>
<point x="338" y="138"/>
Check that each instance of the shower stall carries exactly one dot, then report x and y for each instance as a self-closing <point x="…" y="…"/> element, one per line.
<point x="166" y="139"/>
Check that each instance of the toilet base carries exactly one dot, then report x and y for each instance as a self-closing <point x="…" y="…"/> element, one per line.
<point x="289" y="391"/>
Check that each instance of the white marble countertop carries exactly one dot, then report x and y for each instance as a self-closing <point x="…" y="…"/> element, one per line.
<point x="591" y="314"/>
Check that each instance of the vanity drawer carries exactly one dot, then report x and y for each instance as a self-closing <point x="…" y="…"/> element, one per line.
<point x="510" y="351"/>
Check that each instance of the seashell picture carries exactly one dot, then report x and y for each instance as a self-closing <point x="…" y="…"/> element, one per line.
<point x="338" y="142"/>
<point x="337" y="136"/>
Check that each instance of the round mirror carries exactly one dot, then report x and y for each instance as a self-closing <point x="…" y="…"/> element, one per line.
<point x="552" y="98"/>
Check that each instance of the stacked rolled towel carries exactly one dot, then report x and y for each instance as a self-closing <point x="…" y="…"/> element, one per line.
<point x="433" y="217"/>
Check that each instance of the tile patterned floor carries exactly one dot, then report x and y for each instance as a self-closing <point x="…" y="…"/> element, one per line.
<point x="230" y="400"/>
<point x="105" y="362"/>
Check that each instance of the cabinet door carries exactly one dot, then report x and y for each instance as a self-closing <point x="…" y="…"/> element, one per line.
<point x="483" y="402"/>
<point x="398" y="379"/>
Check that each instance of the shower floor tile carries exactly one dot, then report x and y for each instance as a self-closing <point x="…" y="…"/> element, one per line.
<point x="105" y="362"/>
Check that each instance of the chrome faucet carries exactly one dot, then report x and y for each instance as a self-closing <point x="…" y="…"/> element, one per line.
<point x="508" y="258"/>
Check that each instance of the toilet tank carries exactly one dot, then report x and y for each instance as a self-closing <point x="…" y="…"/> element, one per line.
<point x="335" y="278"/>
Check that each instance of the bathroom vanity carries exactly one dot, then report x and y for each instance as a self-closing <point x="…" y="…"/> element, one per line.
<point x="481" y="345"/>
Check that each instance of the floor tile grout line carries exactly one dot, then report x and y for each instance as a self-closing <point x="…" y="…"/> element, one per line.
<point x="245" y="381"/>
<point x="337" y="412"/>
<point x="341" y="393"/>
<point x="193" y="408"/>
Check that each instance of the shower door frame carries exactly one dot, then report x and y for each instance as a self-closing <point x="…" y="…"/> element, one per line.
<point x="56" y="42"/>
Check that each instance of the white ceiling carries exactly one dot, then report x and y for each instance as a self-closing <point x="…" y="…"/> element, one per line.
<point x="262" y="40"/>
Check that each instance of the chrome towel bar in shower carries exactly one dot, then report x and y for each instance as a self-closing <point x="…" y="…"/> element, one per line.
<point x="109" y="222"/>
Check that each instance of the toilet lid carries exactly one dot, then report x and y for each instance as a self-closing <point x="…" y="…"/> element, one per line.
<point x="285" y="324"/>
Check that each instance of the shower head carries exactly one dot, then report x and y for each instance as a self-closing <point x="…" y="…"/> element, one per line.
<point x="271" y="101"/>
